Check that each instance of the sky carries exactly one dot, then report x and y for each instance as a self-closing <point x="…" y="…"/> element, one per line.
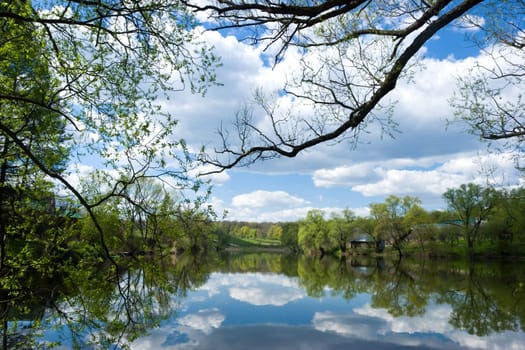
<point x="424" y="158"/>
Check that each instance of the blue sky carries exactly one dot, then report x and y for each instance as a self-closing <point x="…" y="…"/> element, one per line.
<point x="423" y="159"/>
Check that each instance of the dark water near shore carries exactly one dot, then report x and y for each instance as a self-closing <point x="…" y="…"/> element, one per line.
<point x="272" y="301"/>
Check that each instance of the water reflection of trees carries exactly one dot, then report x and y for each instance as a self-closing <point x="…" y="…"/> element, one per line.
<point x="95" y="305"/>
<point x="84" y="303"/>
<point x="486" y="304"/>
<point x="259" y="262"/>
<point x="484" y="298"/>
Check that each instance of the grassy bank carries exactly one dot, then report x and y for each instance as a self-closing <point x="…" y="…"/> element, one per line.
<point x="254" y="244"/>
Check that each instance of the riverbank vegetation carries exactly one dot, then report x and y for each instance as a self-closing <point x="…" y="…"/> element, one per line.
<point x="479" y="222"/>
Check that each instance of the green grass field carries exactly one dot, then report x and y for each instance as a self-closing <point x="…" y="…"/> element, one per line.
<point x="253" y="243"/>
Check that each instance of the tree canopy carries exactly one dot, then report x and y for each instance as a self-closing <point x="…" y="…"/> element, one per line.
<point x="81" y="80"/>
<point x="472" y="203"/>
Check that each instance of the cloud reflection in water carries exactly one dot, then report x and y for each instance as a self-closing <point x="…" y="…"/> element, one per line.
<point x="240" y="311"/>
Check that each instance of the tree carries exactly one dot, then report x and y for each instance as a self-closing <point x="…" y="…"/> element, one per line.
<point x="275" y="232"/>
<point x="515" y="206"/>
<point x="246" y="232"/>
<point x="32" y="132"/>
<point x="98" y="69"/>
<point x="342" y="228"/>
<point x="392" y="220"/>
<point x="289" y="236"/>
<point x="419" y="221"/>
<point x="365" y="225"/>
<point x="506" y="221"/>
<point x="314" y="233"/>
<point x="473" y="204"/>
<point x="489" y="99"/>
<point x="352" y="55"/>
<point x="194" y="229"/>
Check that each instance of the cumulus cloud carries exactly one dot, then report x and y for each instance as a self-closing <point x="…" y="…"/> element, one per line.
<point x="242" y="70"/>
<point x="259" y="199"/>
<point x="427" y="175"/>
<point x="268" y="214"/>
<point x="343" y="175"/>
<point x="346" y="324"/>
<point x="265" y="296"/>
<point x="207" y="172"/>
<point x="436" y="320"/>
<point x="204" y="320"/>
<point x="256" y="288"/>
<point x="410" y="181"/>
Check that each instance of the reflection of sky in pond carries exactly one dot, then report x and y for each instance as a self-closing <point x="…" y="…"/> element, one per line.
<point x="271" y="311"/>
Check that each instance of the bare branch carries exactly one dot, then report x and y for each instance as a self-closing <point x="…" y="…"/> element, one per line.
<point x="380" y="87"/>
<point x="516" y="132"/>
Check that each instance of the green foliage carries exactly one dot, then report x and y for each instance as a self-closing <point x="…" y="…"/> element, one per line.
<point x="30" y="136"/>
<point x="84" y="79"/>
<point x="275" y="232"/>
<point x="472" y="204"/>
<point x="284" y="234"/>
<point x="395" y="219"/>
<point x="314" y="233"/>
<point x="512" y="207"/>
<point x="289" y="236"/>
<point x="408" y="228"/>
<point x="343" y="228"/>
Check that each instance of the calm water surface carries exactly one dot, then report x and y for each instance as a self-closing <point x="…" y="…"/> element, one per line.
<point x="270" y="301"/>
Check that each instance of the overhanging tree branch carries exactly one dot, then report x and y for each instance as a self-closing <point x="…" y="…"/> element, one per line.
<point x="358" y="114"/>
<point x="83" y="201"/>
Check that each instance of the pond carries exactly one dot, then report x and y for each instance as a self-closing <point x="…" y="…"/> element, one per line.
<point x="273" y="301"/>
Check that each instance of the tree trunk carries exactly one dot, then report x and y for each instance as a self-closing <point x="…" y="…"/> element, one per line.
<point x="470" y="242"/>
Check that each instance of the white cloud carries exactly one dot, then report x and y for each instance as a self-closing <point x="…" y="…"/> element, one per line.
<point x="261" y="289"/>
<point x="264" y="296"/>
<point x="207" y="172"/>
<point x="343" y="175"/>
<point x="436" y="320"/>
<point x="410" y="182"/>
<point x="269" y="214"/>
<point x="431" y="175"/>
<point x="256" y="288"/>
<point x="260" y="199"/>
<point x="204" y="320"/>
<point x="242" y="71"/>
